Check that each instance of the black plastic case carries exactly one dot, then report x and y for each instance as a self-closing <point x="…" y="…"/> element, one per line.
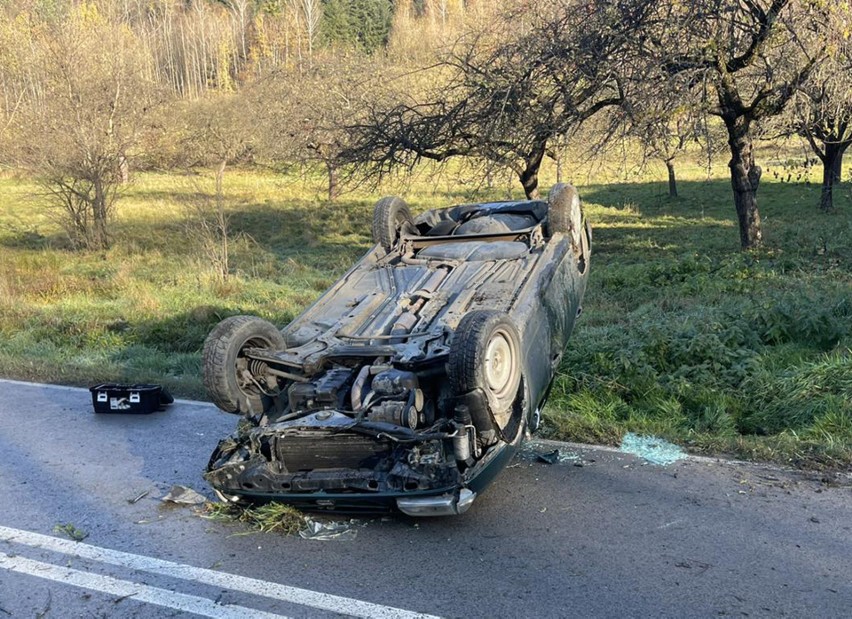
<point x="133" y="399"/>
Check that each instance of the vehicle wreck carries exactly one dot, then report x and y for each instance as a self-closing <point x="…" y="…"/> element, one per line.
<point x="412" y="381"/>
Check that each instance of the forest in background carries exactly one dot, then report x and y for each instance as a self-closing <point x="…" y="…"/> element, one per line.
<point x="91" y="90"/>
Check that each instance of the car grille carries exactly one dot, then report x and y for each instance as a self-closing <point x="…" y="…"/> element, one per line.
<point x="326" y="451"/>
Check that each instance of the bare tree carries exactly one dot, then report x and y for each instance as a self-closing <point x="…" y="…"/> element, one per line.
<point x="747" y="57"/>
<point x="531" y="77"/>
<point x="82" y="116"/>
<point x="308" y="14"/>
<point x="216" y="131"/>
<point x="241" y="11"/>
<point x="822" y="112"/>
<point x="663" y="126"/>
<point x="304" y="115"/>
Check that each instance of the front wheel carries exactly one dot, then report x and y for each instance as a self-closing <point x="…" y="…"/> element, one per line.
<point x="485" y="354"/>
<point x="226" y="373"/>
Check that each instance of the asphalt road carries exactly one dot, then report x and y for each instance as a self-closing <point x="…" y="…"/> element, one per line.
<point x="612" y="538"/>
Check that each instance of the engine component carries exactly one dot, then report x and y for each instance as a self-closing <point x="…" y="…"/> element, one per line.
<point x="394" y="382"/>
<point x="462" y="415"/>
<point x="396" y="412"/>
<point x="328" y="391"/>
<point x="477" y="406"/>
<point x="358" y="387"/>
<point x="461" y="441"/>
<point x="461" y="445"/>
<point x="314" y="450"/>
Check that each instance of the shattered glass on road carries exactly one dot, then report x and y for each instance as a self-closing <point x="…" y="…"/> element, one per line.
<point x="652" y="449"/>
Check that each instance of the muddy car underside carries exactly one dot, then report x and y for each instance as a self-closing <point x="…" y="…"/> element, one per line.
<point x="411" y="381"/>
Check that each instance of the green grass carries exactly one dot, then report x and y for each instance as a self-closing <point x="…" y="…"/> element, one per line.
<point x="683" y="335"/>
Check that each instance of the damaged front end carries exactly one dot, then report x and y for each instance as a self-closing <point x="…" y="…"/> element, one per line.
<point x="367" y="438"/>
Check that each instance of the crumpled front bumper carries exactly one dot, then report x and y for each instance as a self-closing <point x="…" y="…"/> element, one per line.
<point x="440" y="505"/>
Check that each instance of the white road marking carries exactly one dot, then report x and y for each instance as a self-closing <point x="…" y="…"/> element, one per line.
<point x="285" y="593"/>
<point x="123" y="588"/>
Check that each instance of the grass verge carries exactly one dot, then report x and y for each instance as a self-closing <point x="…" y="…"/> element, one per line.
<point x="683" y="336"/>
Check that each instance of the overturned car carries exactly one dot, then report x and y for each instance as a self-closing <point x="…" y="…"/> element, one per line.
<point x="412" y="381"/>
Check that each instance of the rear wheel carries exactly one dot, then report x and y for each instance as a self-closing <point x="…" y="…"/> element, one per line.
<point x="226" y="373"/>
<point x="565" y="213"/>
<point x="485" y="354"/>
<point x="391" y="217"/>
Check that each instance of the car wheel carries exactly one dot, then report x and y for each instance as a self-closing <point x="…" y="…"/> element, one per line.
<point x="565" y="213"/>
<point x="391" y="217"/>
<point x="485" y="354"/>
<point x="226" y="374"/>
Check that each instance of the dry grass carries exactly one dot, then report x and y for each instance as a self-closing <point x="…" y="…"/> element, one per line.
<point x="267" y="518"/>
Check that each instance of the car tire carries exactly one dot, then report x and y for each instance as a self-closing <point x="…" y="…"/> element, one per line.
<point x="485" y="354"/>
<point x="391" y="217"/>
<point x="223" y="358"/>
<point x="565" y="213"/>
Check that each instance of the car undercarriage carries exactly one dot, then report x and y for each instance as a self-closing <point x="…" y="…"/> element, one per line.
<point x="410" y="383"/>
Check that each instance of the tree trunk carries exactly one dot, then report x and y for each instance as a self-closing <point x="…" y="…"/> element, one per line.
<point x="529" y="181"/>
<point x="124" y="169"/>
<point x="220" y="185"/>
<point x="745" y="180"/>
<point x="838" y="164"/>
<point x="99" y="237"/>
<point x="832" y="172"/>
<point x="672" y="179"/>
<point x="529" y="175"/>
<point x="333" y="188"/>
<point x="559" y="168"/>
<point x="222" y="222"/>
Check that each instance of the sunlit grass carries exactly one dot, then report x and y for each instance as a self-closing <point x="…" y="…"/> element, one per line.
<point x="682" y="334"/>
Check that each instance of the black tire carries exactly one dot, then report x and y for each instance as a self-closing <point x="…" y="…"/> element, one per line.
<point x="224" y="355"/>
<point x="485" y="354"/>
<point x="565" y="213"/>
<point x="391" y="217"/>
